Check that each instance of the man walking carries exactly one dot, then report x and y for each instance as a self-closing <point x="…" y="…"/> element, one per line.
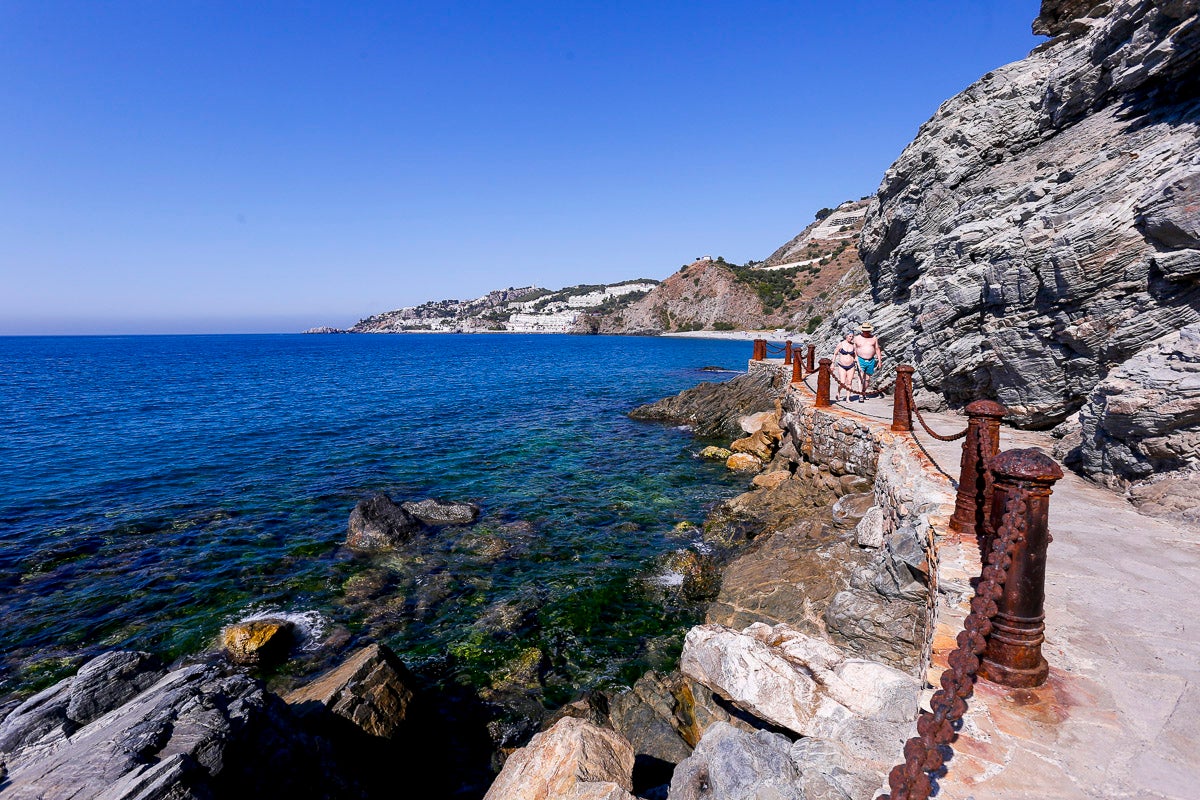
<point x="867" y="351"/>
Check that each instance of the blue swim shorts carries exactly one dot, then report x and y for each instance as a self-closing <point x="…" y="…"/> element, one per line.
<point x="867" y="365"/>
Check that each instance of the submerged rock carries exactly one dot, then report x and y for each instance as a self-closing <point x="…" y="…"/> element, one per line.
<point x="715" y="453"/>
<point x="432" y="511"/>
<point x="376" y="523"/>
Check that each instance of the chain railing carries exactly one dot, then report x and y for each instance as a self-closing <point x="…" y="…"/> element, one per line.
<point x="935" y="728"/>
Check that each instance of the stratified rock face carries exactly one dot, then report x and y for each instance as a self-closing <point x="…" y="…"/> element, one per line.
<point x="1144" y="418"/>
<point x="377" y="523"/>
<point x="1044" y="226"/>
<point x="191" y="733"/>
<point x="1057" y="15"/>
<point x="573" y="759"/>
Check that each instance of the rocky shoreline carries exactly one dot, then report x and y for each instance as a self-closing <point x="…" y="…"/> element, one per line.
<point x="128" y="726"/>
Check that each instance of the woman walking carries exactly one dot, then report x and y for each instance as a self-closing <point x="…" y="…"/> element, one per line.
<point x="844" y="363"/>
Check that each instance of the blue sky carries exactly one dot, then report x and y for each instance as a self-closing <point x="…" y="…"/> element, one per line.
<point x="256" y="166"/>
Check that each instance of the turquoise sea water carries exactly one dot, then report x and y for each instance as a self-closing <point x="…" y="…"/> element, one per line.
<point x="153" y="489"/>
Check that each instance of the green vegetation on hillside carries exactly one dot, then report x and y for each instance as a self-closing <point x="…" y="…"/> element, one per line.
<point x="774" y="287"/>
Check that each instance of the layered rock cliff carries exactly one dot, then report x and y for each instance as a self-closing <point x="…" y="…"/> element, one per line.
<point x="1043" y="226"/>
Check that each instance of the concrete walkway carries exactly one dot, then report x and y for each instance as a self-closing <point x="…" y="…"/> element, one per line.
<point x="1120" y="714"/>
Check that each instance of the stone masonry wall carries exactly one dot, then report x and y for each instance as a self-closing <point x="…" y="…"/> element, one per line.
<point x="911" y="494"/>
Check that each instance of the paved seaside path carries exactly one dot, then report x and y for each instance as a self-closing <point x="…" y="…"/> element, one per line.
<point x="1119" y="716"/>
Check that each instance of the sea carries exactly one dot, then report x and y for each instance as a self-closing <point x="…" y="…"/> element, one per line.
<point x="154" y="489"/>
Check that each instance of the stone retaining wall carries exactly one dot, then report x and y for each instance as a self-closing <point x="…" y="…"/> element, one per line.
<point x="909" y="490"/>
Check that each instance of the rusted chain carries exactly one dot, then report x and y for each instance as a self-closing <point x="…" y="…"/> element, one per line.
<point x="922" y="753"/>
<point x="913" y="405"/>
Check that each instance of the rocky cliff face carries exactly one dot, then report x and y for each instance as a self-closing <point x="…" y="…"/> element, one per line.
<point x="1044" y="225"/>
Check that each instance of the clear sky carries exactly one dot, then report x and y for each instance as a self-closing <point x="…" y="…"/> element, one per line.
<point x="257" y="166"/>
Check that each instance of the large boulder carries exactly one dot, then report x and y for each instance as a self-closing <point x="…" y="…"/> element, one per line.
<point x="371" y="689"/>
<point x="732" y="764"/>
<point x="573" y="759"/>
<point x="376" y="523"/>
<point x="788" y="575"/>
<point x="101" y="685"/>
<point x="795" y="681"/>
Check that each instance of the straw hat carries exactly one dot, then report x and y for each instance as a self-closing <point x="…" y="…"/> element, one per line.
<point x="866" y="326"/>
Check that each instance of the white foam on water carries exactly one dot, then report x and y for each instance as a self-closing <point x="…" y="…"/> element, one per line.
<point x="668" y="579"/>
<point x="310" y="625"/>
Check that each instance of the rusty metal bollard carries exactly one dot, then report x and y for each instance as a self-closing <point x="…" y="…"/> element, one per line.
<point x="983" y="431"/>
<point x="797" y="369"/>
<point x="902" y="399"/>
<point x="760" y="349"/>
<point x="810" y="364"/>
<point x="1013" y="656"/>
<point x="823" y="377"/>
<point x="787" y="353"/>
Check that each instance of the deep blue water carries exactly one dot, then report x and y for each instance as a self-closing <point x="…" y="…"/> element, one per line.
<point x="153" y="489"/>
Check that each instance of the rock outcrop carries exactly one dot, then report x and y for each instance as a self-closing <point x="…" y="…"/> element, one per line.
<point x="1043" y="226"/>
<point x="123" y="729"/>
<point x="372" y="689"/>
<point x="716" y="409"/>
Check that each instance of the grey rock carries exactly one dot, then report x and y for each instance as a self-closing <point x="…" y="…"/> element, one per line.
<point x="871" y="626"/>
<point x="1145" y="416"/>
<point x="109" y="680"/>
<point x="376" y="523"/>
<point x="1041" y="228"/>
<point x="851" y="508"/>
<point x="646" y="715"/>
<point x="196" y="732"/>
<point x="731" y="764"/>
<point x="432" y="511"/>
<point x="44" y="714"/>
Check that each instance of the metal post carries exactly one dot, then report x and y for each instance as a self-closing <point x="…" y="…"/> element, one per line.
<point x="1013" y="656"/>
<point x="787" y="353"/>
<point x="797" y="370"/>
<point x="823" y="384"/>
<point x="760" y="349"/>
<point x="971" y="504"/>
<point x="902" y="399"/>
<point x="810" y="365"/>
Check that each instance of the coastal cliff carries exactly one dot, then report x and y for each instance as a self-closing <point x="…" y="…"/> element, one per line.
<point x="1042" y="227"/>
